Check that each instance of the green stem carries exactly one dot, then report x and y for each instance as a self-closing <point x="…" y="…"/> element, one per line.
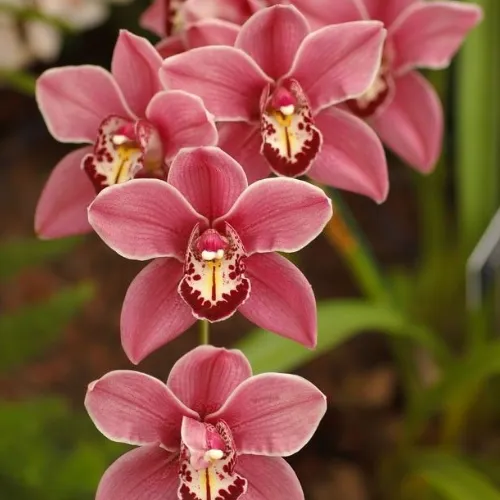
<point x="204" y="332"/>
<point x="478" y="177"/>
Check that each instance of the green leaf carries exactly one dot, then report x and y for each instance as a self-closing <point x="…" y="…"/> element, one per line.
<point x="50" y="452"/>
<point x="337" y="321"/>
<point x="458" y="382"/>
<point x="452" y="477"/>
<point x="16" y="255"/>
<point x="27" y="331"/>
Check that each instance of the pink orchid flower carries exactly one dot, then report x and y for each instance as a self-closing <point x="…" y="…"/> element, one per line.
<point x="212" y="431"/>
<point x="274" y="92"/>
<point x="214" y="239"/>
<point x="401" y="105"/>
<point x="135" y="127"/>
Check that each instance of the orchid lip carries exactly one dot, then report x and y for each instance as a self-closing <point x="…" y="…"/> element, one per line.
<point x="122" y="151"/>
<point x="290" y="140"/>
<point x="214" y="283"/>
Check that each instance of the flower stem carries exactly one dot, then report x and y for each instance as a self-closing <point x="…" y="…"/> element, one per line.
<point x="204" y="332"/>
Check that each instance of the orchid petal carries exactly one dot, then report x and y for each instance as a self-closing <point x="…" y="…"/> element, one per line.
<point x="171" y="46"/>
<point x="319" y="13"/>
<point x="342" y="163"/>
<point x="243" y="142"/>
<point x="154" y="18"/>
<point x="133" y="56"/>
<point x="338" y="62"/>
<point x="412" y="125"/>
<point x="143" y="219"/>
<point x="268" y="477"/>
<point x="209" y="179"/>
<point x="146" y="472"/>
<point x="211" y="32"/>
<point x="228" y="80"/>
<point x="273" y="414"/>
<point x="235" y="11"/>
<point x="62" y="207"/>
<point x="386" y="11"/>
<point x="272" y="37"/>
<point x="135" y="408"/>
<point x="429" y="34"/>
<point x="182" y="121"/>
<point x="74" y="100"/>
<point x="153" y="312"/>
<point x="279" y="215"/>
<point x="205" y="377"/>
<point x="282" y="300"/>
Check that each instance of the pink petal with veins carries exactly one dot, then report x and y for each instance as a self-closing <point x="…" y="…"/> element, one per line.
<point x="74" y="100"/>
<point x="144" y="219"/>
<point x="268" y="477"/>
<point x="182" y="121"/>
<point x="386" y="11"/>
<point x="62" y="208"/>
<point x="282" y="300"/>
<point x="211" y="32"/>
<point x="133" y="56"/>
<point x="273" y="414"/>
<point x="154" y="18"/>
<point x="412" y="125"/>
<point x="227" y="79"/>
<point x="135" y="408"/>
<point x="279" y="215"/>
<point x="153" y="312"/>
<point x="205" y="377"/>
<point x="272" y="37"/>
<point x="342" y="163"/>
<point x="209" y="179"/>
<point x="338" y="62"/>
<point x="429" y="34"/>
<point x="146" y="472"/>
<point x="319" y="13"/>
<point x="171" y="46"/>
<point x="243" y="141"/>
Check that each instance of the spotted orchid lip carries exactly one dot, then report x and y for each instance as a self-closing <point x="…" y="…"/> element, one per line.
<point x="206" y="472"/>
<point x="290" y="140"/>
<point x="214" y="283"/>
<point x="116" y="157"/>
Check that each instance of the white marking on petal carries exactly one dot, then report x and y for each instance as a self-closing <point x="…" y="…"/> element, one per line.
<point x="208" y="255"/>
<point x="120" y="139"/>
<point x="212" y="455"/>
<point x="288" y="110"/>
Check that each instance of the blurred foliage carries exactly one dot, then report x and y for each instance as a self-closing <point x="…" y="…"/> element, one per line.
<point x="48" y="451"/>
<point x="338" y="320"/>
